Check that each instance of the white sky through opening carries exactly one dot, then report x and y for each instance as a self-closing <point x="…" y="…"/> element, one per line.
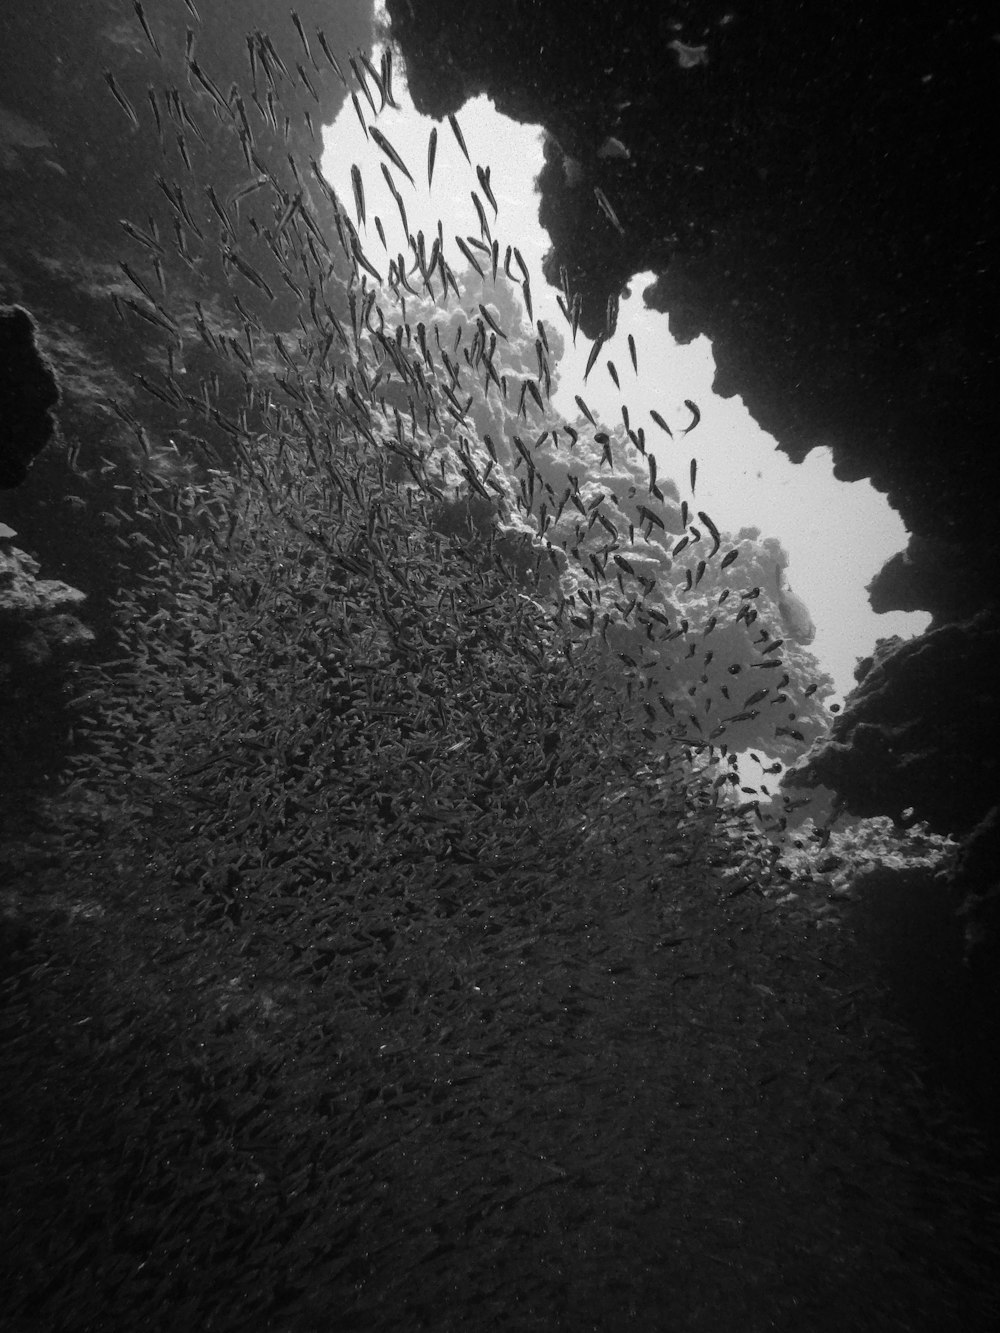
<point x="837" y="534"/>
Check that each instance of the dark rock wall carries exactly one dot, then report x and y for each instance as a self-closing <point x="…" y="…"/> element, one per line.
<point x="813" y="189"/>
<point x="28" y="392"/>
<point x="812" y="186"/>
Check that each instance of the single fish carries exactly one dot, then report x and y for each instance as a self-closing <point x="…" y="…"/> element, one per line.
<point x="359" y="193"/>
<point x="121" y="99"/>
<point x="334" y="62"/>
<point x="584" y="409"/>
<point x="605" y="206"/>
<point x="694" y="473"/>
<point x="360" y="113"/>
<point x="469" y="256"/>
<point x="391" y="153"/>
<point x="146" y="28"/>
<point x="632" y="353"/>
<point x="728" y="558"/>
<point x="302" y="38"/>
<point x="591" y="359"/>
<point x="492" y="322"/>
<point x="695" y="415"/>
<point x="457" y="131"/>
<point x="432" y="144"/>
<point x="713" y="530"/>
<point x="661" y="423"/>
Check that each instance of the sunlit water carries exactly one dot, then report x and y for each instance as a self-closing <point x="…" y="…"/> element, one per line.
<point x="837" y="534"/>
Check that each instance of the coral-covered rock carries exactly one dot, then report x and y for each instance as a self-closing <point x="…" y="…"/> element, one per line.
<point x="919" y="732"/>
<point x="36" y="627"/>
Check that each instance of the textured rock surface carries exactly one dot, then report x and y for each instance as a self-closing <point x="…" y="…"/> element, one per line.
<point x="36" y="623"/>
<point x="809" y="187"/>
<point x="912" y="735"/>
<point x="810" y="192"/>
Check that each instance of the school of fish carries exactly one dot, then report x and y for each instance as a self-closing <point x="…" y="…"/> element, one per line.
<point x="475" y="609"/>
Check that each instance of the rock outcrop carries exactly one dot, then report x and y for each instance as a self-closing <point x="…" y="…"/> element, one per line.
<point x="808" y="188"/>
<point x="28" y="392"/>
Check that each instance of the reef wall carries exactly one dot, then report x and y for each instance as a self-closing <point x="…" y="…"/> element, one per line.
<point x="809" y="184"/>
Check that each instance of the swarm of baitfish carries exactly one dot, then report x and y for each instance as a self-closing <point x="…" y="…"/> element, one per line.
<point x="376" y="644"/>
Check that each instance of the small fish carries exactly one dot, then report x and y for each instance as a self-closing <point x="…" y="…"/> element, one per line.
<point x="120" y="98"/>
<point x="492" y="322"/>
<point x="469" y="256"/>
<point x="391" y="153"/>
<point x="728" y="558"/>
<point x="484" y="226"/>
<point x="694" y="473"/>
<point x="305" y="80"/>
<point x="457" y="131"/>
<point x="432" y="146"/>
<point x="484" y="181"/>
<point x="376" y="79"/>
<point x="594" y="353"/>
<point x="605" y="206"/>
<point x="364" y="84"/>
<point x="757" y="697"/>
<point x="146" y="28"/>
<point x="661" y="423"/>
<point x="387" y="79"/>
<point x="613" y="373"/>
<point x="584" y="409"/>
<point x="695" y="415"/>
<point x="302" y="38"/>
<point x="526" y="290"/>
<point x="359" y="193"/>
<point x="632" y="353"/>
<point x="713" y="530"/>
<point x="357" y="108"/>
<point x="811" y="689"/>
<point x="334" y="62"/>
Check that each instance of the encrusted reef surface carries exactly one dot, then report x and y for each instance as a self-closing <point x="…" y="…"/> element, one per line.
<point x="809" y="186"/>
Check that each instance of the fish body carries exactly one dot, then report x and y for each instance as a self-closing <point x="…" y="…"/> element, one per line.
<point x="456" y="129"/>
<point x="359" y="193"/>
